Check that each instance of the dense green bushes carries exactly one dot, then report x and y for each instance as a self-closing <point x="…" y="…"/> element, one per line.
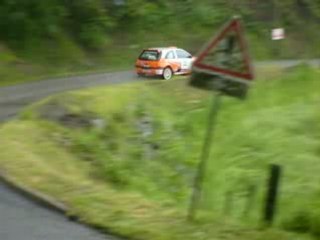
<point x="32" y="20"/>
<point x="59" y="37"/>
<point x="93" y="23"/>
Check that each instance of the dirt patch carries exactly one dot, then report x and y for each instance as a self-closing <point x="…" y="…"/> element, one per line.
<point x="75" y="120"/>
<point x="55" y="111"/>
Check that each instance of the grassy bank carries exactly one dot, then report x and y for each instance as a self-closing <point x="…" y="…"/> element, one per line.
<point x="62" y="59"/>
<point x="123" y="157"/>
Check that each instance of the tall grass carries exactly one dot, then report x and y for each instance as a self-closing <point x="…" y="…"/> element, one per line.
<point x="153" y="132"/>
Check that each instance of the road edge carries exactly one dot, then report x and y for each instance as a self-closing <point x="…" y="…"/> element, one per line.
<point x="52" y="204"/>
<point x="33" y="195"/>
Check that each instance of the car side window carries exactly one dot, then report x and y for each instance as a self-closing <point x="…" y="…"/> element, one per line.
<point x="170" y="55"/>
<point x="183" y="54"/>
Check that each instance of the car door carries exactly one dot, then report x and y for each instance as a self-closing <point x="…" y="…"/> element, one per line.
<point x="185" y="60"/>
<point x="172" y="60"/>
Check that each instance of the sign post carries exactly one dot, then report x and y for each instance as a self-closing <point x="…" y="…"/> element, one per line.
<point x="278" y="35"/>
<point x="272" y="194"/>
<point x="205" y="154"/>
<point x="223" y="66"/>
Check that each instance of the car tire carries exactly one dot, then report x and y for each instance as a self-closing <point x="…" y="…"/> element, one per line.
<point x="167" y="73"/>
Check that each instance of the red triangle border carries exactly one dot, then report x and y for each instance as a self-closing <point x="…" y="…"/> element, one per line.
<point x="234" y="25"/>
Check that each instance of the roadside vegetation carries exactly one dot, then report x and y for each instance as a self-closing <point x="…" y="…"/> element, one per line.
<point x="123" y="157"/>
<point x="42" y="39"/>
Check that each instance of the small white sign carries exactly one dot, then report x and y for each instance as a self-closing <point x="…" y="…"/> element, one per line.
<point x="278" y="34"/>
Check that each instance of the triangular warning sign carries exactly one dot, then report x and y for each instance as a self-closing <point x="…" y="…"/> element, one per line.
<point x="226" y="54"/>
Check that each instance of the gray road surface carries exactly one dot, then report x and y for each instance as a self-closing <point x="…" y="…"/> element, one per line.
<point x="20" y="219"/>
<point x="13" y="98"/>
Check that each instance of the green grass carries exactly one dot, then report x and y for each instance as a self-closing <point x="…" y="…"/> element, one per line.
<point x="47" y="60"/>
<point x="137" y="183"/>
<point x="63" y="176"/>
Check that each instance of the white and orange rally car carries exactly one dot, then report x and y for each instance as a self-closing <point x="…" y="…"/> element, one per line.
<point x="164" y="62"/>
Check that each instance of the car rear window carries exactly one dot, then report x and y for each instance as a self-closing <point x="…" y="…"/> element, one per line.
<point x="151" y="55"/>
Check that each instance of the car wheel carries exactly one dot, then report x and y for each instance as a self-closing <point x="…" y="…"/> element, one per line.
<point x="167" y="73"/>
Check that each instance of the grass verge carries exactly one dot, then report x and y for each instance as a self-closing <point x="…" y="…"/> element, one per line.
<point x="123" y="157"/>
<point x="67" y="59"/>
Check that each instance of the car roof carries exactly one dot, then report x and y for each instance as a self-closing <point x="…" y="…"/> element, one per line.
<point x="161" y="48"/>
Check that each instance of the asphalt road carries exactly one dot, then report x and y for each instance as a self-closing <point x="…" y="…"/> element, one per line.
<point x="21" y="219"/>
<point x="14" y="98"/>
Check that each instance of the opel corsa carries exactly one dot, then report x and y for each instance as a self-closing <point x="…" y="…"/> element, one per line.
<point x="164" y="62"/>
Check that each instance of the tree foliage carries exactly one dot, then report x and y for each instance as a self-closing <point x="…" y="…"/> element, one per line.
<point x="92" y="22"/>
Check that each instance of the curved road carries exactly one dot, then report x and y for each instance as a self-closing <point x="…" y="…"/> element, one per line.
<point x="21" y="219"/>
<point x="13" y="98"/>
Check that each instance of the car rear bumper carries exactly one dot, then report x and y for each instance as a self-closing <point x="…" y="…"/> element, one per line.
<point x="150" y="71"/>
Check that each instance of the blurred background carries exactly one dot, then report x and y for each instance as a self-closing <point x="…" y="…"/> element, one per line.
<point x="59" y="36"/>
<point x="123" y="157"/>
